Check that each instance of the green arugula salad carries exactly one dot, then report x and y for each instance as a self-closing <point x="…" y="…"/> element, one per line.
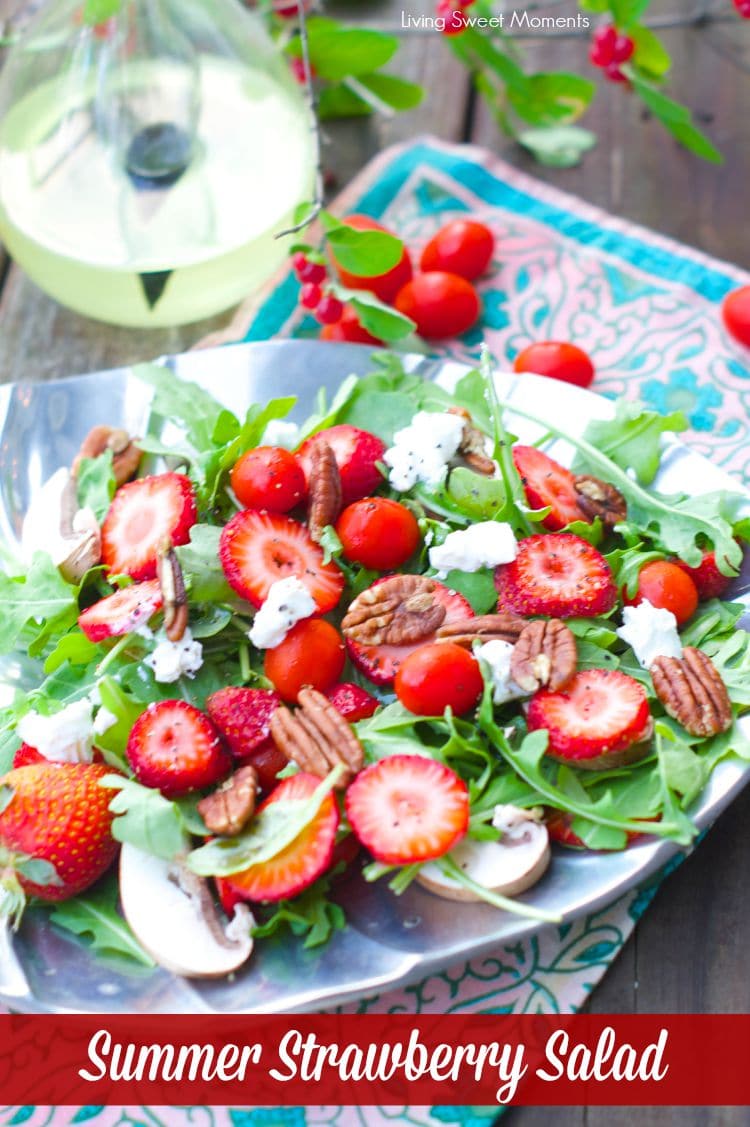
<point x="392" y="640"/>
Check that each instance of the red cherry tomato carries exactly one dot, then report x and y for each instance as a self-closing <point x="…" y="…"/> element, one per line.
<point x="439" y="676"/>
<point x="441" y="304"/>
<point x="348" y="329"/>
<point x="557" y="359"/>
<point x="463" y="247"/>
<point x="736" y="313"/>
<point x="268" y="477"/>
<point x="666" y="585"/>
<point x="378" y="533"/>
<point x="312" y="655"/>
<point x="385" y="286"/>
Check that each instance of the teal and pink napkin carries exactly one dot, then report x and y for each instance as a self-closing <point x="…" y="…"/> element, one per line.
<point x="648" y="310"/>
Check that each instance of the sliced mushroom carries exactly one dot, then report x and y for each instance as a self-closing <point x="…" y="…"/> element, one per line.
<point x="173" y="915"/>
<point x="507" y="867"/>
<point x="54" y="524"/>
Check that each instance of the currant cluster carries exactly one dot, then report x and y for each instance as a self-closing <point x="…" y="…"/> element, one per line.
<point x="454" y="14"/>
<point x="743" y="7"/>
<point x="313" y="276"/>
<point x="609" y="50"/>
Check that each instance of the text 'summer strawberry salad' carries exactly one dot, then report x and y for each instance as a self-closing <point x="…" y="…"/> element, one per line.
<point x="393" y="638"/>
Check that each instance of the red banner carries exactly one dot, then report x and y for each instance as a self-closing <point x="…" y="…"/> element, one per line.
<point x="685" y="1059"/>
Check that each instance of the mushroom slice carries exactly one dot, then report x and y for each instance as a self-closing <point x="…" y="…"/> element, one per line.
<point x="506" y="867"/>
<point x="53" y="524"/>
<point x="173" y="915"/>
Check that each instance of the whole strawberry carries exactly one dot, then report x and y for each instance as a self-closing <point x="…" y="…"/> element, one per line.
<point x="58" y="814"/>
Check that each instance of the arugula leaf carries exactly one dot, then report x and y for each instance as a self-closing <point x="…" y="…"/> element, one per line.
<point x="183" y="402"/>
<point x="477" y="587"/>
<point x="127" y="711"/>
<point x="75" y="648"/>
<point x="310" y="914"/>
<point x="632" y="439"/>
<point x="270" y="831"/>
<point x="95" y="484"/>
<point x="479" y="497"/>
<point x="94" y="915"/>
<point x="146" y="818"/>
<point x="41" y="596"/>
<point x="201" y="567"/>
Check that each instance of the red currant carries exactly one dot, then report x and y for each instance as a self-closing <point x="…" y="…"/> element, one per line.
<point x="623" y="50"/>
<point x="310" y="295"/>
<point x="614" y="74"/>
<point x="329" y="310"/>
<point x="743" y="7"/>
<point x="314" y="272"/>
<point x="299" y="261"/>
<point x="455" y="20"/>
<point x="603" y="42"/>
<point x="297" y="68"/>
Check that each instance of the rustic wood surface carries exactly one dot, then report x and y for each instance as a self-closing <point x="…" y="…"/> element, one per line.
<point x="691" y="952"/>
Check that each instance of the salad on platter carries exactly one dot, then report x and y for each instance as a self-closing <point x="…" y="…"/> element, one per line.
<point x="394" y="639"/>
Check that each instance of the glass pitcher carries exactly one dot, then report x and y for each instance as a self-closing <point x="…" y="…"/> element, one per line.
<point x="146" y="162"/>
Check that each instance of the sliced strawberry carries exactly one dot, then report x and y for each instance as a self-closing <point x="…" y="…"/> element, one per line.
<point x="175" y="748"/>
<point x="257" y="548"/>
<point x="709" y="581"/>
<point x="301" y="862"/>
<point x="228" y="898"/>
<point x="382" y="663"/>
<point x="596" y="722"/>
<point x="559" y="575"/>
<point x="408" y="808"/>
<point x="357" y="453"/>
<point x="144" y="513"/>
<point x="243" y="717"/>
<point x="27" y="755"/>
<point x="353" y="702"/>
<point x="546" y="482"/>
<point x="123" y="612"/>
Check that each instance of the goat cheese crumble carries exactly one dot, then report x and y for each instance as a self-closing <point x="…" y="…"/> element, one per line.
<point x="422" y="451"/>
<point x="651" y="632"/>
<point x="287" y="603"/>
<point x="280" y="432"/>
<point x="172" y="660"/>
<point x="486" y="544"/>
<point x="494" y="661"/>
<point x="65" y="737"/>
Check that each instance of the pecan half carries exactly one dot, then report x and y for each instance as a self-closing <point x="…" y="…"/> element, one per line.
<point x="169" y="574"/>
<point x="473" y="445"/>
<point x="598" y="498"/>
<point x="126" y="456"/>
<point x="324" y="489"/>
<point x="692" y="692"/>
<point x="396" y="612"/>
<point x="317" y="737"/>
<point x="503" y="627"/>
<point x="544" y="655"/>
<point x="228" y="810"/>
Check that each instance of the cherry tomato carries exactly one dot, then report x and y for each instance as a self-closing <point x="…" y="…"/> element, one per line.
<point x="385" y="286"/>
<point x="463" y="247"/>
<point x="268" y="477"/>
<point x="439" y="676"/>
<point x="378" y="533"/>
<point x="666" y="585"/>
<point x="312" y="655"/>
<point x="348" y="329"/>
<point x="736" y="313"/>
<point x="557" y="359"/>
<point x="441" y="304"/>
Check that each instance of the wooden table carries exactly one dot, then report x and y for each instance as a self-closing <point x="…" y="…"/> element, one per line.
<point x="691" y="952"/>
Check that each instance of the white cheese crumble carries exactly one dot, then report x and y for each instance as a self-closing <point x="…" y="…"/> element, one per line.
<point x="172" y="660"/>
<point x="494" y="661"/>
<point x="288" y="601"/>
<point x="422" y="451"/>
<point x="513" y="821"/>
<point x="651" y="632"/>
<point x="41" y="526"/>
<point x="280" y="432"/>
<point x="103" y="721"/>
<point x="486" y="544"/>
<point x="65" y="737"/>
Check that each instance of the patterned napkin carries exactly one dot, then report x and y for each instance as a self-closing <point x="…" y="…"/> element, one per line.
<point x="647" y="309"/>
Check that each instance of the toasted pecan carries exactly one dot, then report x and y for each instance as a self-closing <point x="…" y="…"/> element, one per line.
<point x="545" y="655"/>
<point x="317" y="737"/>
<point x="503" y="626"/>
<point x="598" y="498"/>
<point x="692" y="692"/>
<point x="126" y="456"/>
<point x="325" y="496"/>
<point x="228" y="810"/>
<point x="400" y="610"/>
<point x="172" y="583"/>
<point x="473" y="444"/>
